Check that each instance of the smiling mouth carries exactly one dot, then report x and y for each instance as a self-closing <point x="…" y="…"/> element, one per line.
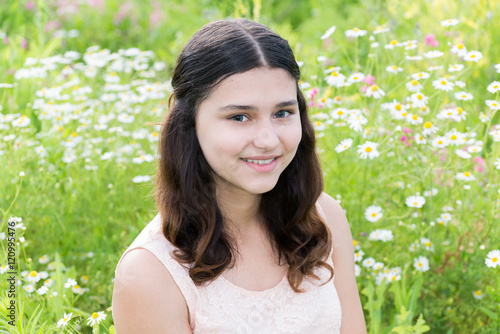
<point x="260" y="162"/>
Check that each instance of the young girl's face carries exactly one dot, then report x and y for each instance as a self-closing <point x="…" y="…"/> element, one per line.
<point x="249" y="129"/>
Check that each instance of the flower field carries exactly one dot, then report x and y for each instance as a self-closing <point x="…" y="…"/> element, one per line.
<point x="404" y="97"/>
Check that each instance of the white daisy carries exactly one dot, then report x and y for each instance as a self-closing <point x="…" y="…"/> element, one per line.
<point x="443" y="84"/>
<point x="368" y="262"/>
<point x="414" y="86"/>
<point x="433" y="54"/>
<point x="373" y="213"/>
<point x="381" y="235"/>
<point x="344" y="145"/>
<point x="478" y="294"/>
<point x="415" y="201"/>
<point x="493" y="259"/>
<point x="494" y="105"/>
<point x="497" y="163"/>
<point x="339" y="113"/>
<point x="420" y="75"/>
<point x="465" y="176"/>
<point x="29" y="288"/>
<point x="368" y="150"/>
<point x="449" y="22"/>
<point x="374" y="91"/>
<point x="141" y="178"/>
<point x="335" y="79"/>
<point x="64" y="320"/>
<point x="329" y="32"/>
<point x="473" y="56"/>
<point x="455" y="68"/>
<point x="429" y="129"/>
<point x="494" y="87"/>
<point x="358" y="256"/>
<point x="464" y="96"/>
<point x="354" y="33"/>
<point x="96" y="318"/>
<point x="394" y="69"/>
<point x="356" y="77"/>
<point x="421" y="263"/>
<point x="419" y="99"/>
<point x="463" y="154"/>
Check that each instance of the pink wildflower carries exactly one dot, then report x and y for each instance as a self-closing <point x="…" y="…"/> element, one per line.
<point x="430" y="39"/>
<point x="369" y="79"/>
<point x="406" y="130"/>
<point x="51" y="26"/>
<point x="30" y="5"/>
<point x="24" y="43"/>
<point x="96" y="3"/>
<point x="478" y="164"/>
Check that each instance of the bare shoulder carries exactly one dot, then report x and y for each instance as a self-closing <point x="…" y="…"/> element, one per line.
<point x="146" y="298"/>
<point x="343" y="263"/>
<point x="335" y="217"/>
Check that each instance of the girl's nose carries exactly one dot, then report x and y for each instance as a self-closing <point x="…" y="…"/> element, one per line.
<point x="266" y="138"/>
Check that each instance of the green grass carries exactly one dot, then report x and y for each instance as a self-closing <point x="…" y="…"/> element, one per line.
<point x="83" y="218"/>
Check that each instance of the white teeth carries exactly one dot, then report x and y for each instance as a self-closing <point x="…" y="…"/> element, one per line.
<point x="260" y="162"/>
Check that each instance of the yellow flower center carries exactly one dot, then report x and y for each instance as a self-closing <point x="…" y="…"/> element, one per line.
<point x="453" y="137"/>
<point x="355" y="29"/>
<point x="478" y="293"/>
<point x="473" y="56"/>
<point x="494" y="259"/>
<point x="398" y="107"/>
<point x="460" y="46"/>
<point x="414" y="82"/>
<point x="374" y="215"/>
<point x="467" y="174"/>
<point x="394" y="67"/>
<point x="340" y="112"/>
<point x="420" y="264"/>
<point x="334" y="74"/>
<point x="443" y="82"/>
<point x="368" y="149"/>
<point x="440" y="142"/>
<point x="33" y="273"/>
<point x="355" y="242"/>
<point x="95" y="315"/>
<point x="427" y="125"/>
<point x="394" y="42"/>
<point x="338" y="98"/>
<point x="420" y="97"/>
<point x="77" y="286"/>
<point x="374" y="88"/>
<point x="414" y="117"/>
<point x="355" y="78"/>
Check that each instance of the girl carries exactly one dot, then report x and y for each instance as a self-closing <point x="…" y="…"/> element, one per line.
<point x="245" y="240"/>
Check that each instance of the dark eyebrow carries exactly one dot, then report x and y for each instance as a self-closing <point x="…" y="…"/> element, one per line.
<point x="232" y="107"/>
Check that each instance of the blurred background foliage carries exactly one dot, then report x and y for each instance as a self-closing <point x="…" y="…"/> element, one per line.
<point x="72" y="218"/>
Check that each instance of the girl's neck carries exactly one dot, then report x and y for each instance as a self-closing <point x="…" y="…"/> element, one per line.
<point x="240" y="211"/>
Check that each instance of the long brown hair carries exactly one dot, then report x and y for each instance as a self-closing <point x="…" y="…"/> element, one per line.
<point x="185" y="195"/>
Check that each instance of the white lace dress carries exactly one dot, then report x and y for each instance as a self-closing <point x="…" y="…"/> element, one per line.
<point x="224" y="308"/>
